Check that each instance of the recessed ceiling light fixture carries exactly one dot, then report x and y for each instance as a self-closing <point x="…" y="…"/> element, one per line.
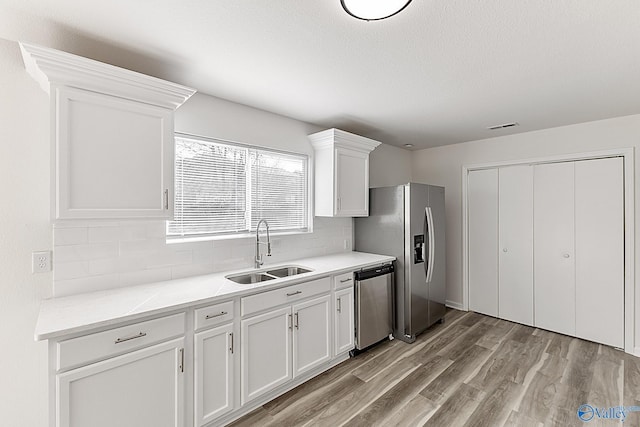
<point x="373" y="10"/>
<point x="408" y="145"/>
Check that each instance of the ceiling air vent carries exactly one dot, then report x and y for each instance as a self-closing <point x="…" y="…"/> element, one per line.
<point x="503" y="126"/>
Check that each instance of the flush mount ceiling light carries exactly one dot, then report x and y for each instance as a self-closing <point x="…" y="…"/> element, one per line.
<point x="373" y="10"/>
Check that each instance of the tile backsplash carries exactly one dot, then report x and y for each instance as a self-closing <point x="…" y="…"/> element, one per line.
<point x="98" y="255"/>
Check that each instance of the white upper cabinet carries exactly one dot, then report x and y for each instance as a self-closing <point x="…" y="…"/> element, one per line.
<point x="112" y="137"/>
<point x="341" y="173"/>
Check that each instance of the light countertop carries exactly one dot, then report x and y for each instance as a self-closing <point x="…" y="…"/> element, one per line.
<point x="83" y="312"/>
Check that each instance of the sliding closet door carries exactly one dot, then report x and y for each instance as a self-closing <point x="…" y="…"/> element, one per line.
<point x="554" y="268"/>
<point x="599" y="222"/>
<point x="515" y="287"/>
<point x="482" y="197"/>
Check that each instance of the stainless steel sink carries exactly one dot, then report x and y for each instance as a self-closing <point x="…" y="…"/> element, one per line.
<point x="288" y="271"/>
<point x="249" y="278"/>
<point x="262" y="276"/>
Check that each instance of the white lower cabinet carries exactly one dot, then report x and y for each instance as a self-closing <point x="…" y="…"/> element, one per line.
<point x="284" y="343"/>
<point x="344" y="332"/>
<point x="141" y="388"/>
<point x="136" y="375"/>
<point x="311" y="334"/>
<point x="266" y="352"/>
<point x="214" y="351"/>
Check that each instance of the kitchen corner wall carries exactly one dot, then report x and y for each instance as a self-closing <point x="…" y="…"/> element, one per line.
<point x="24" y="228"/>
<point x="98" y="255"/>
<point x="388" y="166"/>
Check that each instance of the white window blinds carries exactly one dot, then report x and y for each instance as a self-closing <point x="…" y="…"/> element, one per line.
<point x="223" y="188"/>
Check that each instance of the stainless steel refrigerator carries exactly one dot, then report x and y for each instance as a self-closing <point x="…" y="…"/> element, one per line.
<point x="408" y="222"/>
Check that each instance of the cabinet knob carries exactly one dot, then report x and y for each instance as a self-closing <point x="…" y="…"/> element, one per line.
<point x="566" y="255"/>
<point x="505" y="250"/>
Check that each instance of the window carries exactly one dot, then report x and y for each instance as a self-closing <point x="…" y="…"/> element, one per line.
<point x="226" y="188"/>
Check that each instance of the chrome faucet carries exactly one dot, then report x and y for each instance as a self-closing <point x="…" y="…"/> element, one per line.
<point x="258" y="260"/>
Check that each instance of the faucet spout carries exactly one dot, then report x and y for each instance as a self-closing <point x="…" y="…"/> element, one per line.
<point x="258" y="259"/>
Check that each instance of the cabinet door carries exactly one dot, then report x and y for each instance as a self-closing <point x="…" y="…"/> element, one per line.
<point x="351" y="183"/>
<point x="599" y="205"/>
<point x="114" y="157"/>
<point x="515" y="282"/>
<point x="142" y="388"/>
<point x="312" y="334"/>
<point x="344" y="330"/>
<point x="554" y="266"/>
<point x="266" y="352"/>
<point x="214" y="368"/>
<point x="482" y="197"/>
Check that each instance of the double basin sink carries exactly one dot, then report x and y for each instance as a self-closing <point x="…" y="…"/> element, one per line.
<point x="262" y="276"/>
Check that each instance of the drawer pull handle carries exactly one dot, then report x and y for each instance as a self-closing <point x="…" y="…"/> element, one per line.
<point x="294" y="293"/>
<point x="345" y="280"/>
<point x="211" y="316"/>
<point x="140" y="335"/>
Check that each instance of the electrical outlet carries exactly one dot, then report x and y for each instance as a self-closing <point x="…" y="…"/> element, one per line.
<point x="41" y="262"/>
<point x="346" y="245"/>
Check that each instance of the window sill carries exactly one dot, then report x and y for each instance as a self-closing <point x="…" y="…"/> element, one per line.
<point x="172" y="240"/>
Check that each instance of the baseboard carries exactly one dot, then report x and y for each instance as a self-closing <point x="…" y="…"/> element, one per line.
<point x="636" y="352"/>
<point x="453" y="304"/>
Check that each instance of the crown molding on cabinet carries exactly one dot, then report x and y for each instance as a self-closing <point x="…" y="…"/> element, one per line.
<point x="339" y="138"/>
<point x="53" y="67"/>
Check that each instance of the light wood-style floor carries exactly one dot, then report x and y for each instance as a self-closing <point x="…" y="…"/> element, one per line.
<point x="473" y="370"/>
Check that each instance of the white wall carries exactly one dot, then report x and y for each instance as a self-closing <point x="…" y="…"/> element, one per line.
<point x="389" y="165"/>
<point x="443" y="166"/>
<point x="24" y="227"/>
<point x="209" y="116"/>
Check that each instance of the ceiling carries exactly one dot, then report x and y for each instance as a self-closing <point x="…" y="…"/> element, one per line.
<point x="438" y="73"/>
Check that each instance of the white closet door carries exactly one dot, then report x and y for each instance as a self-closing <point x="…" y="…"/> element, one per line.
<point x="515" y="292"/>
<point x="599" y="251"/>
<point x="554" y="268"/>
<point x="482" y="197"/>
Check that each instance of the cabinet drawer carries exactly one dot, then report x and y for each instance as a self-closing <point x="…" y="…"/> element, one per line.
<point x="214" y="315"/>
<point x="344" y="280"/>
<point x="259" y="302"/>
<point x="83" y="350"/>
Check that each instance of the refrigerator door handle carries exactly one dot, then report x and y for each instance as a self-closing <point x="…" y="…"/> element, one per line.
<point x="431" y="242"/>
<point x="427" y="234"/>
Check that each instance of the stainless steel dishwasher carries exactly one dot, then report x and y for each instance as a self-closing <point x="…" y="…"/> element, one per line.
<point x="374" y="305"/>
